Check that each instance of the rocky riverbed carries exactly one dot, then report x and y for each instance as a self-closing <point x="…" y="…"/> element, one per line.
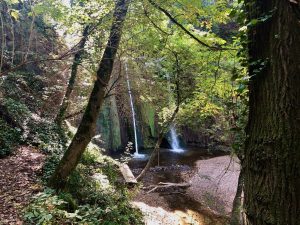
<point x="212" y="179"/>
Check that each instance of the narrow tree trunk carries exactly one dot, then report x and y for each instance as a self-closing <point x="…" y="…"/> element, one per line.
<point x="86" y="129"/>
<point x="157" y="145"/>
<point x="76" y="62"/>
<point x="271" y="166"/>
<point x="236" y="214"/>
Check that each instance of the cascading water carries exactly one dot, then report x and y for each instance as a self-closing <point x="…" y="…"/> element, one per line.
<point x="136" y="154"/>
<point x="174" y="137"/>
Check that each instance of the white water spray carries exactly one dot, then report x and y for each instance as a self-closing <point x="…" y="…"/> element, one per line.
<point x="174" y="141"/>
<point x="136" y="154"/>
<point x="174" y="137"/>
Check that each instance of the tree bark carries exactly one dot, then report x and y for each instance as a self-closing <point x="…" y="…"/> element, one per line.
<point x="86" y="129"/>
<point x="271" y="166"/>
<point x="236" y="214"/>
<point x="76" y="62"/>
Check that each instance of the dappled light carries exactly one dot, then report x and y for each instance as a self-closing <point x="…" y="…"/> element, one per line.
<point x="171" y="112"/>
<point x="160" y="216"/>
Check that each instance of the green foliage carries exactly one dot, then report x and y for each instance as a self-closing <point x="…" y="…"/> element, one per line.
<point x="50" y="165"/>
<point x="48" y="136"/>
<point x="51" y="208"/>
<point x="25" y="88"/>
<point x="55" y="9"/>
<point x="241" y="78"/>
<point x="16" y="109"/>
<point x="175" y="68"/>
<point x="88" y="199"/>
<point x="9" y="138"/>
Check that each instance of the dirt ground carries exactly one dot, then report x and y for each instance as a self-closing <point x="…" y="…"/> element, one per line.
<point x="207" y="201"/>
<point x="18" y="179"/>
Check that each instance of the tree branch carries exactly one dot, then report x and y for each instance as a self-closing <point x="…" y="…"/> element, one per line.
<point x="214" y="48"/>
<point x="163" y="132"/>
<point x="154" y="24"/>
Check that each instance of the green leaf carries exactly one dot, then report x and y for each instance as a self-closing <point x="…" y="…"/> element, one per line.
<point x="253" y="22"/>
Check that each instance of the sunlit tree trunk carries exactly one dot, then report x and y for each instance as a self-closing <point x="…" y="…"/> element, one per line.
<point x="271" y="167"/>
<point x="86" y="129"/>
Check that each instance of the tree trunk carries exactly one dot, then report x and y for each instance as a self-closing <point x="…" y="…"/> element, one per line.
<point x="86" y="129"/>
<point x="157" y="145"/>
<point x="271" y="166"/>
<point x="236" y="214"/>
<point x="76" y="62"/>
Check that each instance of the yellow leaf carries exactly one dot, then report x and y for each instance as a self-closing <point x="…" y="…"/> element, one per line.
<point x="14" y="14"/>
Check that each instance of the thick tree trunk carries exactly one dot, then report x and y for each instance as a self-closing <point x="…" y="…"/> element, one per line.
<point x="76" y="62"/>
<point x="271" y="166"/>
<point x="86" y="129"/>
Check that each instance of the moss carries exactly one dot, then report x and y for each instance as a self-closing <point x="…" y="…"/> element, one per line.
<point x="149" y="113"/>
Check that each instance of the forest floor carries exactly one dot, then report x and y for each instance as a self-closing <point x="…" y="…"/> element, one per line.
<point x="208" y="200"/>
<point x="18" y="183"/>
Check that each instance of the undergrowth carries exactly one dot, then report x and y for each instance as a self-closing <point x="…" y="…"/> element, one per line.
<point x="13" y="112"/>
<point x="93" y="195"/>
<point x="9" y="138"/>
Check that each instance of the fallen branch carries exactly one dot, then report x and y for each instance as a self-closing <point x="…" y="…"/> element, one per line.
<point x="163" y="186"/>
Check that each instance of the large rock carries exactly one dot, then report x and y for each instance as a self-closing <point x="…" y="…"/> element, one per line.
<point x="214" y="183"/>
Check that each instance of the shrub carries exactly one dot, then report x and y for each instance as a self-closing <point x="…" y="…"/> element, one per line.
<point x="49" y="208"/>
<point x="9" y="138"/>
<point x="86" y="199"/>
<point x="86" y="202"/>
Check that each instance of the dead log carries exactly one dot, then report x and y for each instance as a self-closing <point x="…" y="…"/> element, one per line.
<point x="127" y="174"/>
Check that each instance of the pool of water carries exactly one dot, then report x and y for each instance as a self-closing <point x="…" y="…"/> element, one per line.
<point x="170" y="157"/>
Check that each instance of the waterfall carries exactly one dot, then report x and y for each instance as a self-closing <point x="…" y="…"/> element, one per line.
<point x="136" y="154"/>
<point x="174" y="137"/>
